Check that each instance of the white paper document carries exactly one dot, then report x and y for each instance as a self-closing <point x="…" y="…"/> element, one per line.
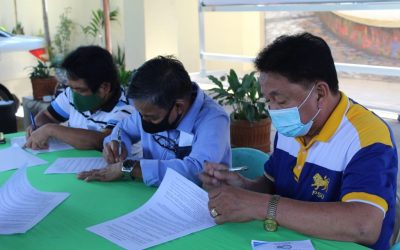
<point x="177" y="208"/>
<point x="75" y="165"/>
<point x="22" y="206"/>
<point x="54" y="145"/>
<point x="292" y="245"/>
<point x="15" y="157"/>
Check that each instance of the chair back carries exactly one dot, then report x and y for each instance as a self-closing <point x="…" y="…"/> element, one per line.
<point x="8" y="106"/>
<point x="254" y="159"/>
<point x="395" y="246"/>
<point x="396" y="232"/>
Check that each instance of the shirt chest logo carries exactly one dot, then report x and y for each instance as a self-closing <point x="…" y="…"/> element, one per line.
<point x="320" y="182"/>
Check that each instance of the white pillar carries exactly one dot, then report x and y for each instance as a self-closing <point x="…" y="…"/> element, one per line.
<point x="134" y="29"/>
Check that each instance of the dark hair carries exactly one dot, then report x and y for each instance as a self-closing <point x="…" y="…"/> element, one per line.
<point x="302" y="59"/>
<point x="94" y="65"/>
<point x="160" y="81"/>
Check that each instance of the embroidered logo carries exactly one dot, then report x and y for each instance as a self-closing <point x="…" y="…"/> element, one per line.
<point x="320" y="182"/>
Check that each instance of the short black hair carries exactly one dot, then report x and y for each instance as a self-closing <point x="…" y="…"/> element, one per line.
<point x="94" y="65"/>
<point x="160" y="81"/>
<point x="302" y="58"/>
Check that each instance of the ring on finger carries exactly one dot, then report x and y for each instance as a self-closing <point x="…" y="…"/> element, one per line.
<point x="214" y="212"/>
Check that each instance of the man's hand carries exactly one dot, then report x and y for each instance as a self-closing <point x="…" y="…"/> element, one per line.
<point x="110" y="173"/>
<point x="111" y="152"/>
<point x="214" y="175"/>
<point x="28" y="131"/>
<point x="232" y="204"/>
<point x="38" y="139"/>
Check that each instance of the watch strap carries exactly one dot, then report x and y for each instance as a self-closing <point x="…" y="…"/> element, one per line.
<point x="273" y="206"/>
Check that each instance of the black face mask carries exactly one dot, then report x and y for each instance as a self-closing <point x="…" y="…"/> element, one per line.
<point x="164" y="125"/>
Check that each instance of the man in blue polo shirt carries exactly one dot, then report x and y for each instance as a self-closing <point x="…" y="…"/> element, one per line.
<point x="179" y="127"/>
<point x="333" y="171"/>
<point x="91" y="106"/>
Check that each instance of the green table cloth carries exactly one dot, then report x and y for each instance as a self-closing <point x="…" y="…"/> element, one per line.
<point x="92" y="203"/>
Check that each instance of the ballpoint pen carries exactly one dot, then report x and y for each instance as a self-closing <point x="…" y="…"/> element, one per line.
<point x="237" y="169"/>
<point x="32" y="121"/>
<point x="119" y="142"/>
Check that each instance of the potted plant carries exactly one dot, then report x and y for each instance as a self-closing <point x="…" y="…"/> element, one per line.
<point x="62" y="38"/>
<point x="250" y="122"/>
<point x="124" y="75"/>
<point x="96" y="25"/>
<point x="43" y="83"/>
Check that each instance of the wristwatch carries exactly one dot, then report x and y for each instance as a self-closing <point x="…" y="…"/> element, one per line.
<point x="127" y="167"/>
<point x="270" y="224"/>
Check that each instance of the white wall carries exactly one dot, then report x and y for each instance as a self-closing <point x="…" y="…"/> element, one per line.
<point x="134" y="33"/>
<point x="171" y="27"/>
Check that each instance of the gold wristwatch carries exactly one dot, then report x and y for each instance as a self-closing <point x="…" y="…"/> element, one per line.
<point x="270" y="224"/>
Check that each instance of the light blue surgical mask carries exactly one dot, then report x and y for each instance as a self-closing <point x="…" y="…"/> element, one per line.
<point x="288" y="122"/>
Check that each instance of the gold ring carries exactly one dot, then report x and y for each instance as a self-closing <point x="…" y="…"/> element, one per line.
<point x="214" y="213"/>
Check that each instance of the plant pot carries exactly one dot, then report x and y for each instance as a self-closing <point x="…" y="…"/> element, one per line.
<point x="251" y="134"/>
<point x="43" y="86"/>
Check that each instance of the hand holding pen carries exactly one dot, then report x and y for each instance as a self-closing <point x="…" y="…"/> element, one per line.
<point x="34" y="127"/>
<point x="215" y="174"/>
<point x="115" y="150"/>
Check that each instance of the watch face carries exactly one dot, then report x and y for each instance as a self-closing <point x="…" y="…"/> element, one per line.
<point x="270" y="225"/>
<point x="127" y="165"/>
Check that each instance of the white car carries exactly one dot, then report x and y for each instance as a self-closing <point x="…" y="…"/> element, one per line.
<point x="17" y="54"/>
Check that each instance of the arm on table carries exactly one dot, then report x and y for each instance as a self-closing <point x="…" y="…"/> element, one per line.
<point x="343" y="221"/>
<point x="48" y="126"/>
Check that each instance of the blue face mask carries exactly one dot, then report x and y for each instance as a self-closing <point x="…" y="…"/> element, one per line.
<point x="288" y="121"/>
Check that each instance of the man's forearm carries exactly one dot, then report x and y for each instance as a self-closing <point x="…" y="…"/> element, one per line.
<point x="343" y="221"/>
<point x="43" y="118"/>
<point x="78" y="138"/>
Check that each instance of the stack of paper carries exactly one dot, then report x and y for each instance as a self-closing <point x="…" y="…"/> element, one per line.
<point x="76" y="165"/>
<point x="15" y="157"/>
<point x="178" y="208"/>
<point x="54" y="145"/>
<point x="22" y="206"/>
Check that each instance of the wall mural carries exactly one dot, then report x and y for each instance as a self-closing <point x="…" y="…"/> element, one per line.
<point x="376" y="40"/>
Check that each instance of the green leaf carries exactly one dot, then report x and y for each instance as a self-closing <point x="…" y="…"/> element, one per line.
<point x="97" y="22"/>
<point x="247" y="81"/>
<point x="216" y="81"/>
<point x="250" y="112"/>
<point x="242" y="94"/>
<point x="233" y="80"/>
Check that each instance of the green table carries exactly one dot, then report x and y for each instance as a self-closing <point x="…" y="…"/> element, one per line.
<point x="92" y="203"/>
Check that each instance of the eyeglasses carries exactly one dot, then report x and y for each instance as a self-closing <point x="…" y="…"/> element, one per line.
<point x="165" y="142"/>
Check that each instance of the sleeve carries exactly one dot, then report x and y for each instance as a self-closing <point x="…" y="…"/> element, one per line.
<point x="211" y="143"/>
<point x="119" y="114"/>
<point x="60" y="108"/>
<point x="130" y="131"/>
<point x="269" y="165"/>
<point x="370" y="176"/>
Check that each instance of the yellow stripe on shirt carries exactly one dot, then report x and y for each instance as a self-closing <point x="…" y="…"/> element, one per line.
<point x="370" y="128"/>
<point x="367" y="197"/>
